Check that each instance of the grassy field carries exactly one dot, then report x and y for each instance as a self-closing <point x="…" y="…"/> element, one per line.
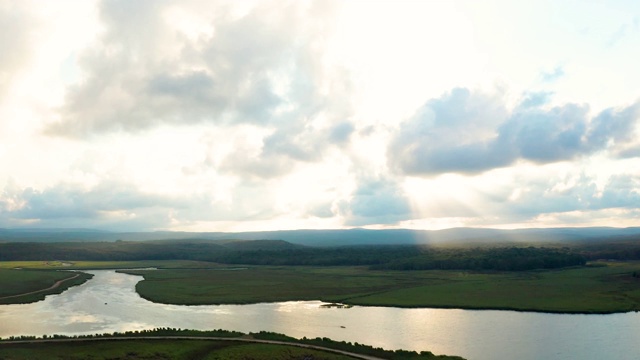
<point x="86" y="265"/>
<point x="160" y="349"/>
<point x="20" y="277"/>
<point x="600" y="288"/>
<point x="168" y="343"/>
<point x="14" y="282"/>
<point x="585" y="290"/>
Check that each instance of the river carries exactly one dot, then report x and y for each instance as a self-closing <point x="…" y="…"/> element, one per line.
<point x="109" y="303"/>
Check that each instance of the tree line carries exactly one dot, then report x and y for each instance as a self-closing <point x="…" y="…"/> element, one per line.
<point x="500" y="259"/>
<point x="405" y="257"/>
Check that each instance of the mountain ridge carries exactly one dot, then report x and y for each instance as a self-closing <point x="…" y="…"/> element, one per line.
<point x="334" y="237"/>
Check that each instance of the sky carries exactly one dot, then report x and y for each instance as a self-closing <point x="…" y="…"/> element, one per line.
<point x="193" y="115"/>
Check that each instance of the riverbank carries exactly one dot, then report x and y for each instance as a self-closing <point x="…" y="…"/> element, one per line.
<point x="19" y="286"/>
<point x="54" y="286"/>
<point x="189" y="344"/>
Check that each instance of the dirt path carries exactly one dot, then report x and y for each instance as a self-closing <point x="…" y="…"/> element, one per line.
<point x="57" y="283"/>
<point x="354" y="355"/>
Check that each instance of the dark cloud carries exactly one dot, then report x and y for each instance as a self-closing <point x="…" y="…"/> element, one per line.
<point x="262" y="68"/>
<point x="377" y="201"/>
<point x="468" y="132"/>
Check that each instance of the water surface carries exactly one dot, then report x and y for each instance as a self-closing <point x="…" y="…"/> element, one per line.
<point x="109" y="303"/>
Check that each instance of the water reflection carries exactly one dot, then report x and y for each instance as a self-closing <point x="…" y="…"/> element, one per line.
<point x="109" y="303"/>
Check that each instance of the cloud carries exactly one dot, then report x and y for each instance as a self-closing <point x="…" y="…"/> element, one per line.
<point x="279" y="152"/>
<point x="259" y="66"/>
<point x="340" y="133"/>
<point x="621" y="191"/>
<point x="125" y="206"/>
<point x="544" y="135"/>
<point x="449" y="134"/>
<point x="470" y="132"/>
<point x="614" y="125"/>
<point x="244" y="163"/>
<point x="531" y="198"/>
<point x="322" y="211"/>
<point x="377" y="201"/>
<point x="554" y="75"/>
<point x="106" y="203"/>
<point x="535" y="99"/>
<point x="630" y="152"/>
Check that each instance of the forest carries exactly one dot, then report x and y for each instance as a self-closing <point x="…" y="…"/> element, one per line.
<point x="274" y="252"/>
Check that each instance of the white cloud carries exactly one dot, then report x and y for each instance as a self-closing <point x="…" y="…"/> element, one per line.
<point x="262" y="67"/>
<point x="226" y="115"/>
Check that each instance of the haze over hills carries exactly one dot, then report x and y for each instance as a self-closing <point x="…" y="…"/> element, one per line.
<point x="347" y="237"/>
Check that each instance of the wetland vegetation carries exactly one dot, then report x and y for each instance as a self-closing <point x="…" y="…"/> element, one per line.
<point x="598" y="288"/>
<point x="550" y="278"/>
<point x="169" y="343"/>
<point x="25" y="286"/>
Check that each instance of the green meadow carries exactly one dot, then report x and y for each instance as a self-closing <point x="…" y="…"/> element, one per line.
<point x="33" y="278"/>
<point x="598" y="288"/>
<point x="160" y="349"/>
<point x="167" y="343"/>
<point x="23" y="286"/>
<point x="96" y="265"/>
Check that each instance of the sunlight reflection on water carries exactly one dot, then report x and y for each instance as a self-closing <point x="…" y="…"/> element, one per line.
<point x="109" y="303"/>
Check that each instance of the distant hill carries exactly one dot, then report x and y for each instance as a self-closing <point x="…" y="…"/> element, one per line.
<point x="325" y="238"/>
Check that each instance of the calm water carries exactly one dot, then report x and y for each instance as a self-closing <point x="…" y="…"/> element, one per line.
<point x="471" y="334"/>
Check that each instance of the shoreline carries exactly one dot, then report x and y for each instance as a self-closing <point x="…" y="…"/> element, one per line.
<point x="347" y="302"/>
<point x="348" y="305"/>
<point x="52" y="287"/>
<point x="198" y="338"/>
<point x="565" y="306"/>
<point x="57" y="288"/>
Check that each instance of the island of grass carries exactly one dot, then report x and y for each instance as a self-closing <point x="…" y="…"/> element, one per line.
<point x="192" y="344"/>
<point x="600" y="287"/>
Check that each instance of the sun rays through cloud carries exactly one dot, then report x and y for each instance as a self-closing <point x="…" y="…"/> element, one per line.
<point x="266" y="115"/>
